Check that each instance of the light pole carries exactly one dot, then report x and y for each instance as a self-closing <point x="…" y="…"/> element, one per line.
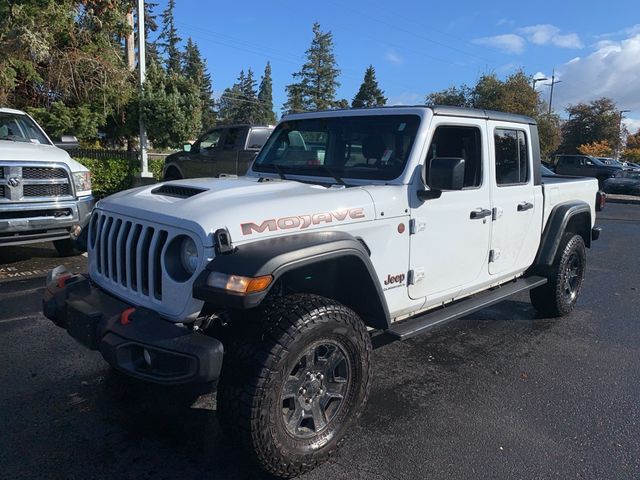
<point x="142" y="73"/>
<point x="536" y="80"/>
<point x="622" y="112"/>
<point x="553" y="82"/>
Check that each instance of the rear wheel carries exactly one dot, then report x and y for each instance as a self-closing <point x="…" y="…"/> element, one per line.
<point x="559" y="295"/>
<point x="292" y="385"/>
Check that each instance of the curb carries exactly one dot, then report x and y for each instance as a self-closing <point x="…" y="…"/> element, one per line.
<point x="627" y="199"/>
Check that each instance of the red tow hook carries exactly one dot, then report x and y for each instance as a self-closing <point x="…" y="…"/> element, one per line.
<point x="125" y="316"/>
<point x="62" y="280"/>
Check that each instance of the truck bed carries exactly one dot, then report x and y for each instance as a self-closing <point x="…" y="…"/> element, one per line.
<point x="560" y="188"/>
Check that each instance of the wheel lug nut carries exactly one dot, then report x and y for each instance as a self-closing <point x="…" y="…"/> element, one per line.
<point x="302" y="391"/>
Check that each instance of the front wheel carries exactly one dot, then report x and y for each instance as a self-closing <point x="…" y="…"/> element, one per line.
<point x="294" y="382"/>
<point x="65" y="247"/>
<point x="565" y="277"/>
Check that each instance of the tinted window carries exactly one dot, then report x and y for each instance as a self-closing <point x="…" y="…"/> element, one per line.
<point x="512" y="159"/>
<point x="210" y="140"/>
<point x="20" y="128"/>
<point x="459" y="142"/>
<point x="232" y="138"/>
<point x="366" y="147"/>
<point x="257" y="138"/>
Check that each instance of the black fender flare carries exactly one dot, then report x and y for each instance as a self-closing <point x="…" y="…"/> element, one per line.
<point x="169" y="165"/>
<point x="557" y="224"/>
<point x="277" y="256"/>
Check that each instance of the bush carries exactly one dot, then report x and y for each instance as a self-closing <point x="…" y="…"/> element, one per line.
<point x="112" y="175"/>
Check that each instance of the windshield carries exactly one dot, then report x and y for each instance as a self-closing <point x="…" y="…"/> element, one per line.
<point x="359" y="147"/>
<point x="20" y="128"/>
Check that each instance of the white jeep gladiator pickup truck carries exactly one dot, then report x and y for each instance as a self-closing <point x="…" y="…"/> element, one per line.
<point x="44" y="193"/>
<point x="351" y="228"/>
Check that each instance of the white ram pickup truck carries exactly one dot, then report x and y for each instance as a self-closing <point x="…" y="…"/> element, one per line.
<point x="44" y="193"/>
<point x="352" y="228"/>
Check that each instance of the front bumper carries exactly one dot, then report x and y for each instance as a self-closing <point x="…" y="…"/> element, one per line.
<point x="135" y="341"/>
<point x="22" y="223"/>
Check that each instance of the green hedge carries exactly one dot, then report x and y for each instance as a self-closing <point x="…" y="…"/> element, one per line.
<point x="112" y="175"/>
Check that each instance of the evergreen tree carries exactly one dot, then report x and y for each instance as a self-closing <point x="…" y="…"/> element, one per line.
<point x="239" y="103"/>
<point x="169" y="39"/>
<point x="370" y="94"/>
<point x="249" y="108"/>
<point x="265" y="97"/>
<point x="194" y="69"/>
<point x="150" y="25"/>
<point x="318" y="78"/>
<point x="295" y="100"/>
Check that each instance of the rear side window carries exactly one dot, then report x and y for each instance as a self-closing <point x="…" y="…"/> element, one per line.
<point x="257" y="138"/>
<point x="512" y="159"/>
<point x="459" y="142"/>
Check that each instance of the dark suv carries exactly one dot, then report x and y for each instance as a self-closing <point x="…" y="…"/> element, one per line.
<point x="585" y="166"/>
<point x="224" y="150"/>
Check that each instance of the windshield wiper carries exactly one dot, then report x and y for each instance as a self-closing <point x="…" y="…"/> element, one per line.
<point x="278" y="170"/>
<point x="332" y="173"/>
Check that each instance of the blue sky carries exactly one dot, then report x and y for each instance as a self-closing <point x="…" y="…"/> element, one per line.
<point x="418" y="47"/>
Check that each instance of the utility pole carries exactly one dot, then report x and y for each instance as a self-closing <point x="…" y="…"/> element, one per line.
<point x="619" y="149"/>
<point x="142" y="73"/>
<point x="553" y="82"/>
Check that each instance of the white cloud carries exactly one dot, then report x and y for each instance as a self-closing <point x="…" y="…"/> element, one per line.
<point x="547" y="34"/>
<point x="393" y="57"/>
<point x="611" y="70"/>
<point x="406" y="98"/>
<point x="632" y="124"/>
<point x="510" y="42"/>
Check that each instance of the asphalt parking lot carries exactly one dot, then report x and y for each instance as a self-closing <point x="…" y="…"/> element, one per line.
<point x="500" y="394"/>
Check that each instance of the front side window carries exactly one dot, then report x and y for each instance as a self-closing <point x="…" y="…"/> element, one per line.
<point x="512" y="158"/>
<point x="360" y="147"/>
<point x="459" y="142"/>
<point x="210" y="140"/>
<point x="20" y="128"/>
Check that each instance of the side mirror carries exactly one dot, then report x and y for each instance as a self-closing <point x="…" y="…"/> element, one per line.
<point x="445" y="173"/>
<point x="186" y="147"/>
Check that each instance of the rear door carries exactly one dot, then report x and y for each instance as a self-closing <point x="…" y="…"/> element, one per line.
<point x="515" y="231"/>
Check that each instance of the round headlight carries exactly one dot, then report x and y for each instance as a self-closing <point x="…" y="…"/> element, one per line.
<point x="189" y="255"/>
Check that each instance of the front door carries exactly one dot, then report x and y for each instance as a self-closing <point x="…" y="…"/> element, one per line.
<point x="515" y="227"/>
<point x="451" y="234"/>
<point x="208" y="150"/>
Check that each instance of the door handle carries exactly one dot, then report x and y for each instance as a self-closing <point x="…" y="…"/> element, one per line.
<point x="480" y="213"/>
<point x="523" y="206"/>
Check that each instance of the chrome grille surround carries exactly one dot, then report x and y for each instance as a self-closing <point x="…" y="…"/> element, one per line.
<point x="127" y="258"/>
<point x="34" y="182"/>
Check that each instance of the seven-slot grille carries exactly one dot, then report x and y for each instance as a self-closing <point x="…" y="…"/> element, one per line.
<point x="128" y="253"/>
<point x="34" y="183"/>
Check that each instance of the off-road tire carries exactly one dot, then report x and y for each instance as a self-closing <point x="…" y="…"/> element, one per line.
<point x="565" y="277"/>
<point x="260" y="358"/>
<point x="65" y="247"/>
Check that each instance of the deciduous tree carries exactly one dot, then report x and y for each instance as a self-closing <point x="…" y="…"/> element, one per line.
<point x="596" y="121"/>
<point x="596" y="149"/>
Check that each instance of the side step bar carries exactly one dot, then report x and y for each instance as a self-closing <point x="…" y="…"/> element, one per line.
<point x="415" y="326"/>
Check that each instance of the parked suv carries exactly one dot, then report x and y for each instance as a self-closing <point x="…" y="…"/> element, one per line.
<point x="226" y="150"/>
<point x="586" y="166"/>
<point x="44" y="193"/>
<point x="351" y="229"/>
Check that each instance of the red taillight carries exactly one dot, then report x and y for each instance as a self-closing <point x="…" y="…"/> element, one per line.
<point x="125" y="316"/>
<point x="601" y="199"/>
